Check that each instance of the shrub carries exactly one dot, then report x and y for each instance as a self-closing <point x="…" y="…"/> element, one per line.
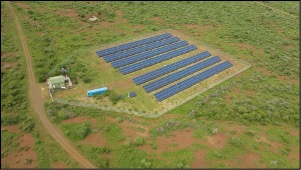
<point x="86" y="79"/>
<point x="102" y="149"/>
<point x="82" y="130"/>
<point x="147" y="164"/>
<point x="30" y="12"/>
<point x="119" y="119"/>
<point x="76" y="131"/>
<point x="10" y="119"/>
<point x="180" y="165"/>
<point x="127" y="144"/>
<point x="214" y="130"/>
<point x="250" y="133"/>
<point x="218" y="154"/>
<point x="27" y="125"/>
<point x="235" y="141"/>
<point x="139" y="141"/>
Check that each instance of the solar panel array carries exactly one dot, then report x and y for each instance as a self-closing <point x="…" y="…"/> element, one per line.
<point x="170" y="68"/>
<point x="174" y="89"/>
<point x="155" y="60"/>
<point x="180" y="74"/>
<point x="144" y="53"/>
<point x="132" y="44"/>
<point x="140" y="49"/>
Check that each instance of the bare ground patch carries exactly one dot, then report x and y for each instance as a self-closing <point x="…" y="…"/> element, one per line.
<point x="217" y="140"/>
<point x="23" y="5"/>
<point x="67" y="13"/>
<point x="131" y="130"/>
<point x="250" y="160"/>
<point x="94" y="139"/>
<point x="294" y="154"/>
<point x="21" y="158"/>
<point x="8" y="54"/>
<point x="125" y="84"/>
<point x="228" y="99"/>
<point x="239" y="129"/>
<point x="139" y="27"/>
<point x="11" y="128"/>
<point x="80" y="119"/>
<point x="287" y="78"/>
<point x="199" y="161"/>
<point x="294" y="132"/>
<point x="179" y="140"/>
<point x="273" y="145"/>
<point x="158" y="19"/>
<point x="7" y="65"/>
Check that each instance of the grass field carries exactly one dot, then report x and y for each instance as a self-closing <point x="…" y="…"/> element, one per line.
<point x="248" y="121"/>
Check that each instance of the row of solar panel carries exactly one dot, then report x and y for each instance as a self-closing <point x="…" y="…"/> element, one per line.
<point x="148" y="54"/>
<point x="180" y="74"/>
<point x="115" y="49"/>
<point x="174" y="89"/>
<point x="169" y="68"/>
<point x="140" y="49"/>
<point x="157" y="59"/>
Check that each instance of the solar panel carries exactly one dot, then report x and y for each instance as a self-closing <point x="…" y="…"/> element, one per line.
<point x="157" y="59"/>
<point x="132" y="44"/>
<point x="169" y="68"/>
<point x="148" y="54"/>
<point x="174" y="89"/>
<point x="140" y="49"/>
<point x="180" y="74"/>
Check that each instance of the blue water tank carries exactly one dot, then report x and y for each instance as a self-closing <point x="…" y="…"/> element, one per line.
<point x="96" y="91"/>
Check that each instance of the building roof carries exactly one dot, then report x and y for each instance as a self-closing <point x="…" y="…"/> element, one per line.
<point x="57" y="79"/>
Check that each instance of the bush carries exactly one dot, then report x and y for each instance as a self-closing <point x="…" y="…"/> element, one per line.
<point x="218" y="154"/>
<point x="76" y="131"/>
<point x="27" y="125"/>
<point x="10" y="119"/>
<point x="82" y="130"/>
<point x="102" y="149"/>
<point x="147" y="164"/>
<point x="127" y="144"/>
<point x="235" y="141"/>
<point x="119" y="119"/>
<point x="30" y="12"/>
<point x="180" y="165"/>
<point x="86" y="79"/>
<point x="139" y="141"/>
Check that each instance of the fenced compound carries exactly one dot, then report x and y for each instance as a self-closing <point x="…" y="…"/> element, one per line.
<point x="238" y="67"/>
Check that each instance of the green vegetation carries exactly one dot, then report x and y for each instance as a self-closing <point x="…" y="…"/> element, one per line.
<point x="76" y="131"/>
<point x="112" y="95"/>
<point x="138" y="141"/>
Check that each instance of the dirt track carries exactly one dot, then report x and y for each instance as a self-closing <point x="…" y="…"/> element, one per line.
<point x="37" y="102"/>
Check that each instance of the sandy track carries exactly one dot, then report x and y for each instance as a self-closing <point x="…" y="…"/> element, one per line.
<point x="36" y="100"/>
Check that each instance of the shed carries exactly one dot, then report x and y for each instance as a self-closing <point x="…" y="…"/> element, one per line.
<point x="57" y="82"/>
<point x="96" y="91"/>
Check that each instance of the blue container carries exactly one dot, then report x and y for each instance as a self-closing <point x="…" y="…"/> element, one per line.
<point x="96" y="91"/>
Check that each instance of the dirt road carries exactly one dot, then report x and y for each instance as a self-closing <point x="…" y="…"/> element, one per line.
<point x="36" y="100"/>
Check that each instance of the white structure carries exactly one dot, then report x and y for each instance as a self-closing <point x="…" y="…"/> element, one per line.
<point x="94" y="18"/>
